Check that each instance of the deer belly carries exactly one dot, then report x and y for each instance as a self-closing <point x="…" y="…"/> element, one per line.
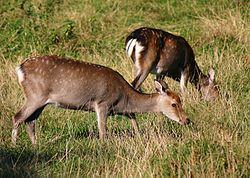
<point x="165" y="71"/>
<point x="76" y="104"/>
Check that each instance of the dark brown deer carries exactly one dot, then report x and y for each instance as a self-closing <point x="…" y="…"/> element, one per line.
<point x="79" y="85"/>
<point x="163" y="54"/>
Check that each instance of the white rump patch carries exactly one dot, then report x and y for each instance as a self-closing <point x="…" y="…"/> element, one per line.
<point x="20" y="74"/>
<point x="130" y="46"/>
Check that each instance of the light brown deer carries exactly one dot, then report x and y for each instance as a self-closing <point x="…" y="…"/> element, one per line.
<point x="79" y="85"/>
<point x="163" y="54"/>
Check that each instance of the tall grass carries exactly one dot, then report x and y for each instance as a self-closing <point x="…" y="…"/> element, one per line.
<point x="215" y="145"/>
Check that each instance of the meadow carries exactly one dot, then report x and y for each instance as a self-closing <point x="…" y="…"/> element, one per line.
<point x="216" y="144"/>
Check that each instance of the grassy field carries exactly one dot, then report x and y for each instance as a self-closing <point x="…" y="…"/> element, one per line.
<point x="217" y="144"/>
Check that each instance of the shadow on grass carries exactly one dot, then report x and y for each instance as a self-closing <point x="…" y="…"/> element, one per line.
<point x="20" y="163"/>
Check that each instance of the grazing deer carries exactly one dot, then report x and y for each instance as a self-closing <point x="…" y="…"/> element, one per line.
<point x="79" y="85"/>
<point x="161" y="53"/>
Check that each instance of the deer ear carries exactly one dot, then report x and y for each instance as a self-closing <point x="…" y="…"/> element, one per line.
<point x="211" y="75"/>
<point x="161" y="86"/>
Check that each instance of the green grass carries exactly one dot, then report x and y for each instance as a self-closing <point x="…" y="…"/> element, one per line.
<point x="215" y="145"/>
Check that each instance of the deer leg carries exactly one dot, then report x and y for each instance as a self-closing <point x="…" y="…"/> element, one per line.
<point x="102" y="122"/>
<point x="159" y="78"/>
<point x="26" y="111"/>
<point x="30" y="121"/>
<point x="134" y="124"/>
<point x="184" y="80"/>
<point x="141" y="75"/>
<point x="31" y="131"/>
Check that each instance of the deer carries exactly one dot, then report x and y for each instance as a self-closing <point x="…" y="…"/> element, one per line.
<point x="163" y="54"/>
<point x="79" y="85"/>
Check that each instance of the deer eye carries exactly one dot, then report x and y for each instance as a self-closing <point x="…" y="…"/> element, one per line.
<point x="174" y="105"/>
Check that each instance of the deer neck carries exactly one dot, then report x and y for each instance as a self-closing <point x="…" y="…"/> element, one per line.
<point x="140" y="102"/>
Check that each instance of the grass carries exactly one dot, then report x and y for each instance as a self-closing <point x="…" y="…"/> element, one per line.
<point x="215" y="145"/>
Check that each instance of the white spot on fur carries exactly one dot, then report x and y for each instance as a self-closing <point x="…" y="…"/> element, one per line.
<point x="157" y="70"/>
<point x="20" y="74"/>
<point x="130" y="46"/>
